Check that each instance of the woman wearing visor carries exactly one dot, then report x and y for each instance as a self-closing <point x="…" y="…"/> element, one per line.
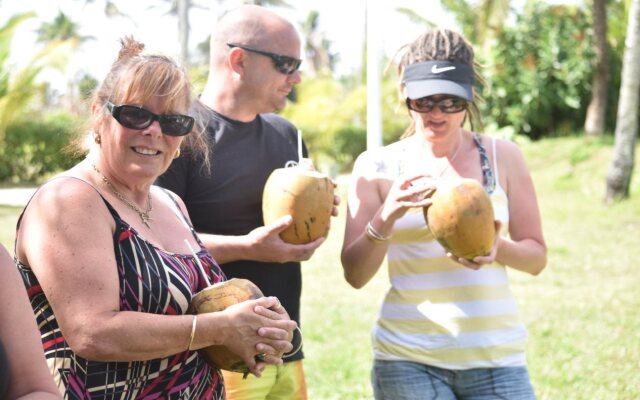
<point x="448" y="328"/>
<point x="111" y="262"/>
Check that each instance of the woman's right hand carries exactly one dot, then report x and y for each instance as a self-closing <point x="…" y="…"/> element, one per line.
<point x="406" y="192"/>
<point x="375" y="202"/>
<point x="256" y="327"/>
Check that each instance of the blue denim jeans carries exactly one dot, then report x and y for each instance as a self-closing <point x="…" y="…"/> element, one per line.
<point x="397" y="380"/>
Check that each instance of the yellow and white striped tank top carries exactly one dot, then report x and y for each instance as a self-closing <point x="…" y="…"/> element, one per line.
<point x="438" y="312"/>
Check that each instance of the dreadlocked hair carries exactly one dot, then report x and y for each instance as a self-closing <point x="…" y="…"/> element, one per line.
<point x="442" y="45"/>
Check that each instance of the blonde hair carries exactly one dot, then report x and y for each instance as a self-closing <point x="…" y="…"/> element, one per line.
<point x="135" y="78"/>
<point x="442" y="45"/>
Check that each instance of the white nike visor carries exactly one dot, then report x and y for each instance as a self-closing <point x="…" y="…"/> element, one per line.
<point x="438" y="77"/>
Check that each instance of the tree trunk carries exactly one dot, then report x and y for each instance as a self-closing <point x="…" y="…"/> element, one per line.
<point x="619" y="176"/>
<point x="183" y="30"/>
<point x="594" y="124"/>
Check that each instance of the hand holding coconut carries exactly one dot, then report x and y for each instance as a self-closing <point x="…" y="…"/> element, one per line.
<point x="461" y="219"/>
<point x="478" y="261"/>
<point x="304" y="194"/>
<point x="263" y="329"/>
<point x="406" y="192"/>
<point x="257" y="331"/>
<point x="267" y="245"/>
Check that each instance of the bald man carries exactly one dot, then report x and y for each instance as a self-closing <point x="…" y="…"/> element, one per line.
<point x="255" y="56"/>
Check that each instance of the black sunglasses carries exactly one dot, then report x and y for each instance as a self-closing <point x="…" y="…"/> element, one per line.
<point x="138" y="118"/>
<point x="449" y="105"/>
<point x="284" y="64"/>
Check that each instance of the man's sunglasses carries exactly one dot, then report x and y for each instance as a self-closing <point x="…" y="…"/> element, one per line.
<point x="138" y="118"/>
<point x="449" y="105"/>
<point x="284" y="64"/>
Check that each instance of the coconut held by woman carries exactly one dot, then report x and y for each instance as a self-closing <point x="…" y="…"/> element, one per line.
<point x="297" y="190"/>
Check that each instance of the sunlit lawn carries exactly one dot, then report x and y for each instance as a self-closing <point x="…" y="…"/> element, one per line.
<point x="582" y="311"/>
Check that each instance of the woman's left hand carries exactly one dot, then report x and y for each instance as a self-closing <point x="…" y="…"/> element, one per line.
<point x="479" y="261"/>
<point x="270" y="354"/>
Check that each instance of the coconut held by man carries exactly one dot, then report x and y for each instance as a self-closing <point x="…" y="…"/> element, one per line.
<point x="303" y="193"/>
<point x="298" y="191"/>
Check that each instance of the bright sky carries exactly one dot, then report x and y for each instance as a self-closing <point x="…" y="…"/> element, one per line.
<point x="341" y="20"/>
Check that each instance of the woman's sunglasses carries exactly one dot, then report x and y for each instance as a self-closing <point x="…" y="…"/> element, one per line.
<point x="284" y="64"/>
<point x="138" y="118"/>
<point x="449" y="105"/>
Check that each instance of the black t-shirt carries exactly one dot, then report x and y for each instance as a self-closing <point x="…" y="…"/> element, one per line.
<point x="227" y="200"/>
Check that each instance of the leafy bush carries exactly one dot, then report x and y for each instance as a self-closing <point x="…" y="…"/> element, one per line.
<point x="539" y="73"/>
<point x="332" y="116"/>
<point x="34" y="149"/>
<point x="332" y="120"/>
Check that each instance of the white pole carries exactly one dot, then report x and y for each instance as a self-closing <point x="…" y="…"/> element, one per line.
<point x="374" y="96"/>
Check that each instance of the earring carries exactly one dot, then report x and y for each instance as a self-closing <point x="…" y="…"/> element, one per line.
<point x="177" y="154"/>
<point x="97" y="139"/>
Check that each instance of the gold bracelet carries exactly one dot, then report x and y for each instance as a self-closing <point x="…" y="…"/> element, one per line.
<point x="194" y="323"/>
<point x="374" y="235"/>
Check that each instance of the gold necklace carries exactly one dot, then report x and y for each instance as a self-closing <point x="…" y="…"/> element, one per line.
<point x="145" y="216"/>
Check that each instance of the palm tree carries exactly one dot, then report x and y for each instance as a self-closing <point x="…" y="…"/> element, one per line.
<point x="594" y="124"/>
<point x="621" y="169"/>
<point x="110" y="9"/>
<point x="319" y="59"/>
<point x="181" y="8"/>
<point x="61" y="28"/>
<point x="18" y="86"/>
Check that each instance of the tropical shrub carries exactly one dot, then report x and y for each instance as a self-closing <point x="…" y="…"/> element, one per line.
<point x="539" y="71"/>
<point x="35" y="148"/>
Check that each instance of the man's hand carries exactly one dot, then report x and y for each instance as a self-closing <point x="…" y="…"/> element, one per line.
<point x="267" y="245"/>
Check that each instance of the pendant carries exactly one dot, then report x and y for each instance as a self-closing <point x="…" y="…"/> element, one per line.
<point x="145" y="219"/>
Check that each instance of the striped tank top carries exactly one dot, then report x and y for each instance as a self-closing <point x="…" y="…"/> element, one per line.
<point x="152" y="280"/>
<point x="438" y="312"/>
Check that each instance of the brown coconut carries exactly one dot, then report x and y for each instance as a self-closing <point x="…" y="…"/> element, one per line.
<point x="461" y="218"/>
<point x="218" y="297"/>
<point x="304" y="194"/>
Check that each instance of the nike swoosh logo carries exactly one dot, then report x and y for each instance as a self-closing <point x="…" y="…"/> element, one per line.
<point x="436" y="70"/>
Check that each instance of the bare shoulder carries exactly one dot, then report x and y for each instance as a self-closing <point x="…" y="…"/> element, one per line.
<point x="363" y="164"/>
<point x="510" y="156"/>
<point x="65" y="204"/>
<point x="507" y="148"/>
<point x="67" y="194"/>
<point x="381" y="161"/>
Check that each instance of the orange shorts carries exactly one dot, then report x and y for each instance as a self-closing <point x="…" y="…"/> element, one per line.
<point x="278" y="382"/>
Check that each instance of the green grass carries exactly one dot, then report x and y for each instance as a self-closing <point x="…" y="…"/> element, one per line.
<point x="581" y="312"/>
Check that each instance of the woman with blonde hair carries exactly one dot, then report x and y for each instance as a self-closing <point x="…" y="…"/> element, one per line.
<point x="111" y="262"/>
<point x="448" y="327"/>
